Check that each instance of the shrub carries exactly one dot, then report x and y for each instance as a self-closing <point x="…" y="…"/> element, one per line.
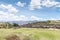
<point x="12" y="37"/>
<point x="15" y="25"/>
<point x="19" y="36"/>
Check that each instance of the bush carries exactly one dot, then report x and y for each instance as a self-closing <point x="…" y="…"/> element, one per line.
<point x="19" y="36"/>
<point x="15" y="25"/>
<point x="12" y="37"/>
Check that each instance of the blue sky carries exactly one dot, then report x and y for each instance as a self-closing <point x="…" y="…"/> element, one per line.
<point x="29" y="10"/>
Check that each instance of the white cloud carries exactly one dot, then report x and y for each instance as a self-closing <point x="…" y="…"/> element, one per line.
<point x="5" y="16"/>
<point x="54" y="19"/>
<point x="9" y="7"/>
<point x="21" y="4"/>
<point x="58" y="6"/>
<point x="38" y="4"/>
<point x="49" y="3"/>
<point x="8" y="13"/>
<point x="43" y="19"/>
<point x="35" y="4"/>
<point x="23" y="18"/>
<point x="36" y="18"/>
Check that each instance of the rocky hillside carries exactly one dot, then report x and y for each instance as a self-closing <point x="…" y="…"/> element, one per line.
<point x="37" y="24"/>
<point x="43" y="24"/>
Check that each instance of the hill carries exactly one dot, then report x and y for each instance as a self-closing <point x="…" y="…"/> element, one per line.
<point x="43" y="24"/>
<point x="31" y="24"/>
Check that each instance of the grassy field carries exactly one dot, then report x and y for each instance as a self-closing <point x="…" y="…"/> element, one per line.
<point x="35" y="33"/>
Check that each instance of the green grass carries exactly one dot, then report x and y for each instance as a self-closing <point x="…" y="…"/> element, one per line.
<point x="35" y="33"/>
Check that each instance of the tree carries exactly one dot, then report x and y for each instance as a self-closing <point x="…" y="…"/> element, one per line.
<point x="5" y="25"/>
<point x="15" y="25"/>
<point x="48" y="21"/>
<point x="9" y="25"/>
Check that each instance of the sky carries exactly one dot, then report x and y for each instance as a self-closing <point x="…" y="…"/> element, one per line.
<point x="29" y="10"/>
